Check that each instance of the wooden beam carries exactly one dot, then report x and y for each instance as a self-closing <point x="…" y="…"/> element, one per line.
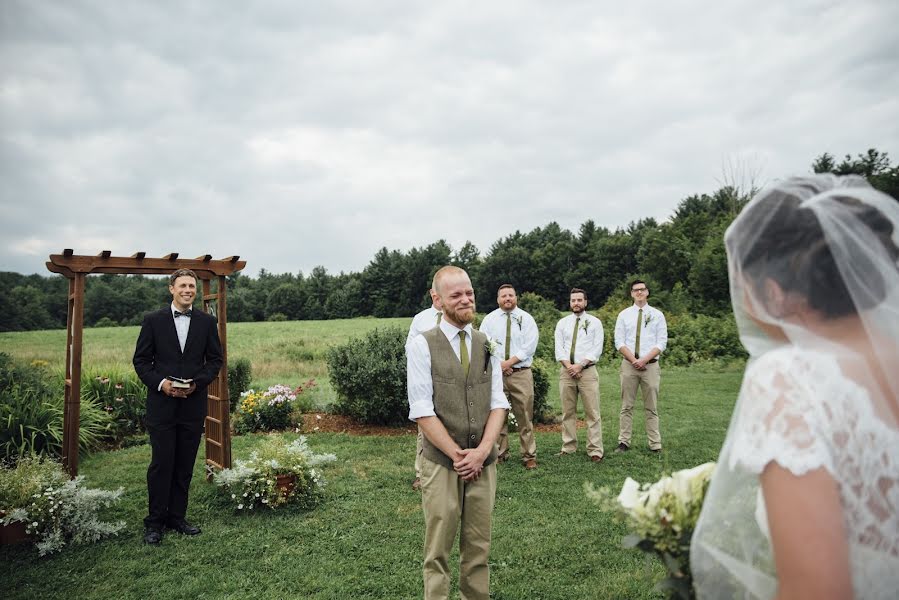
<point x="139" y="255"/>
<point x="105" y="254"/>
<point x="205" y="257"/>
<point x="145" y="266"/>
<point x="68" y="252"/>
<point x="171" y="256"/>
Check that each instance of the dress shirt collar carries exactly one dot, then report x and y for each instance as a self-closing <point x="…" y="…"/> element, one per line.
<point x="451" y="331"/>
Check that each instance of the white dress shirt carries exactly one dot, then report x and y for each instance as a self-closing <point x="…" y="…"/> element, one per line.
<point x="423" y="321"/>
<point x="589" y="338"/>
<point x="523" y="339"/>
<point x="653" y="334"/>
<point x="418" y="373"/>
<point x="182" y="326"/>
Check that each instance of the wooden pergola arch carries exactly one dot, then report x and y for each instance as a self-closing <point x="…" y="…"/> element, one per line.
<point x="76" y="267"/>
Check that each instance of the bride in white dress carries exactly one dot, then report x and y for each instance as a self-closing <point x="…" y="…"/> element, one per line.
<point x="805" y="500"/>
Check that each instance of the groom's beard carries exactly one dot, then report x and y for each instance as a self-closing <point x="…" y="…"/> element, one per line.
<point x="463" y="316"/>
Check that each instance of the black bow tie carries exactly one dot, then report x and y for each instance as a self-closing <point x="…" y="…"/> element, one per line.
<point x="186" y="313"/>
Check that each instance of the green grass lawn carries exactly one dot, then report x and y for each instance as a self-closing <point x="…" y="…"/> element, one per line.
<point x="365" y="539"/>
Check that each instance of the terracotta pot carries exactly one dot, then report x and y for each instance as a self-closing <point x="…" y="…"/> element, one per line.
<point x="286" y="483"/>
<point x="14" y="533"/>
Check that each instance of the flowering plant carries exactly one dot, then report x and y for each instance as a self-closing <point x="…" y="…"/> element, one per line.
<point x="254" y="483"/>
<point x="268" y="410"/>
<point x="512" y="422"/>
<point x="54" y="508"/>
<point x="661" y="517"/>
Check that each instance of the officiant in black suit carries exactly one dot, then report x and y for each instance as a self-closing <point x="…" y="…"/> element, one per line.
<point x="175" y="342"/>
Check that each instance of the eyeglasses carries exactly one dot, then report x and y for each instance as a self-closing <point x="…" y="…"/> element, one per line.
<point x="639" y="290"/>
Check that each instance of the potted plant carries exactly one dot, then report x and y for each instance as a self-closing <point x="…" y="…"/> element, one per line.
<point x="275" y="474"/>
<point x="54" y="510"/>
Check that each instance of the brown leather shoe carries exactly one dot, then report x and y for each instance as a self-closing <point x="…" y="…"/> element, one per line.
<point x="416" y="485"/>
<point x="596" y="459"/>
<point x="530" y="464"/>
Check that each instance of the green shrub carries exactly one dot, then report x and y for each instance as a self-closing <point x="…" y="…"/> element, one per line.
<point x="31" y="414"/>
<point x="105" y="322"/>
<point x="546" y="315"/>
<point x="240" y="374"/>
<point x="542" y="372"/>
<point x="369" y="376"/>
<point x="697" y="338"/>
<point x="121" y="394"/>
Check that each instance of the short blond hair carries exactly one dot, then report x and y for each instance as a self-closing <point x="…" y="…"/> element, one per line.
<point x="445" y="272"/>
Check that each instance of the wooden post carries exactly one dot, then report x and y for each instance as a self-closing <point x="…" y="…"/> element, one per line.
<point x="223" y="374"/>
<point x="72" y="411"/>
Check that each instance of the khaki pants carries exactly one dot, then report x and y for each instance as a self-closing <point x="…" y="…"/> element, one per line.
<point x="587" y="386"/>
<point x="447" y="501"/>
<point x="519" y="389"/>
<point x="631" y="379"/>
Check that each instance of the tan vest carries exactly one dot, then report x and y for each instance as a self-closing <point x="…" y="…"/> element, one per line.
<point x="462" y="404"/>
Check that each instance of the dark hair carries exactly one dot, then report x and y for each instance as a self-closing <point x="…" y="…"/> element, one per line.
<point x="789" y="246"/>
<point x="635" y="282"/>
<point x="578" y="291"/>
<point x="181" y="273"/>
<point x="505" y="286"/>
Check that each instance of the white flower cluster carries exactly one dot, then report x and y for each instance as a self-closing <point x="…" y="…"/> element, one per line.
<point x="673" y="500"/>
<point x="279" y="394"/>
<point x="254" y="482"/>
<point x="65" y="511"/>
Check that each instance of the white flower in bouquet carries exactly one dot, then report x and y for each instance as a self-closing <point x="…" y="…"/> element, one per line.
<point x="661" y="517"/>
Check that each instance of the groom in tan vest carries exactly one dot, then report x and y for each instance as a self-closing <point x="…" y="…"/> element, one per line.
<point x="456" y="397"/>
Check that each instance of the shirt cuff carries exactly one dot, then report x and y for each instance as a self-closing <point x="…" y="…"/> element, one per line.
<point x="418" y="411"/>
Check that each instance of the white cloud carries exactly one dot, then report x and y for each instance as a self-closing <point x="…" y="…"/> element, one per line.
<point x="298" y="135"/>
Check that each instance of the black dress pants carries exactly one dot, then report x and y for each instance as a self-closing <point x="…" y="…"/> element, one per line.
<point x="171" y="468"/>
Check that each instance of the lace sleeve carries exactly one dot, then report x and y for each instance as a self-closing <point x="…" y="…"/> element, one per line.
<point x="780" y="416"/>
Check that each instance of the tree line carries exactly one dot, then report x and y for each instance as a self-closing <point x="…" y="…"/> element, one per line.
<point x="682" y="259"/>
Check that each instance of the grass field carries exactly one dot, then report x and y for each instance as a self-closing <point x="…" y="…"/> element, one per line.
<point x="365" y="540"/>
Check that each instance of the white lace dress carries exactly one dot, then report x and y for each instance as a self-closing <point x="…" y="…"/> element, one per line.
<point x="799" y="410"/>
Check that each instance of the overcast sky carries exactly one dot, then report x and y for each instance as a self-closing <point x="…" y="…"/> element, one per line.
<point x="298" y="134"/>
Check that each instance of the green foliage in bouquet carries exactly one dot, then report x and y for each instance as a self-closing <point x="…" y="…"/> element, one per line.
<point x="661" y="518"/>
<point x="254" y="483"/>
<point x="56" y="510"/>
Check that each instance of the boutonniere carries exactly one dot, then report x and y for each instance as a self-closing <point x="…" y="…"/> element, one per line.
<point x="518" y="320"/>
<point x="585" y="325"/>
<point x="490" y="348"/>
<point x="646" y="320"/>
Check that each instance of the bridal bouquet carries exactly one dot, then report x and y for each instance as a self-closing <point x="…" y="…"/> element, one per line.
<point x="661" y="517"/>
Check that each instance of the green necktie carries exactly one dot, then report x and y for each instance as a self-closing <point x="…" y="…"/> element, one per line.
<point x="508" y="333"/>
<point x="439" y="316"/>
<point x="639" y="328"/>
<point x="463" y="352"/>
<point x="574" y="339"/>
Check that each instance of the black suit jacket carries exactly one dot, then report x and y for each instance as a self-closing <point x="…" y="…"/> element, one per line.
<point x="158" y="355"/>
